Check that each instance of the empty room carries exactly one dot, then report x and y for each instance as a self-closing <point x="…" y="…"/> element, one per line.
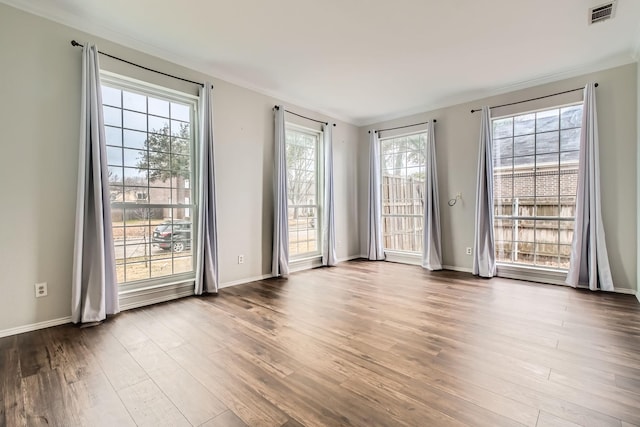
<point x="341" y="213"/>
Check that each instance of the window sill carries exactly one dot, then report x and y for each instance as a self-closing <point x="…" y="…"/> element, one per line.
<point x="140" y="296"/>
<point x="403" y="257"/>
<point x="307" y="263"/>
<point x="532" y="274"/>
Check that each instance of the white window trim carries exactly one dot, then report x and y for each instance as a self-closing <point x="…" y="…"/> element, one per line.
<point x="159" y="289"/>
<point x="393" y="255"/>
<point x="402" y="257"/>
<point x="534" y="273"/>
<point x="310" y="260"/>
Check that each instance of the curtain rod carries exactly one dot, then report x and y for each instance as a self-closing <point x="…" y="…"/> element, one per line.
<point x="534" y="99"/>
<point x="402" y="127"/>
<point x="277" y="107"/>
<point x="75" y="43"/>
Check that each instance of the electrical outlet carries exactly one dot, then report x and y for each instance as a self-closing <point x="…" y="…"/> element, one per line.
<point x="240" y="259"/>
<point x="41" y="289"/>
<point x="469" y="251"/>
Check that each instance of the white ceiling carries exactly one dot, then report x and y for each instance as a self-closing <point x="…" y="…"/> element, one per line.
<point x="365" y="60"/>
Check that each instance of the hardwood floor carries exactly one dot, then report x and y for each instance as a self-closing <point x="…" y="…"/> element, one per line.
<point x="363" y="344"/>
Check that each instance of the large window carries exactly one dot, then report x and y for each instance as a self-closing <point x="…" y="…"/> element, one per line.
<point x="403" y="178"/>
<point x="535" y="179"/>
<point x="150" y="156"/>
<point x="304" y="187"/>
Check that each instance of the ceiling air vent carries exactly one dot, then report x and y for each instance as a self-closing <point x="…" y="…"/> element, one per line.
<point x="602" y="12"/>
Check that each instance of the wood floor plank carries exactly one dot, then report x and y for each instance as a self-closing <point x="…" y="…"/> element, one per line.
<point x="252" y="408"/>
<point x="190" y="397"/>
<point x="363" y="344"/>
<point x="149" y="406"/>
<point x="120" y="368"/>
<point x="12" y="411"/>
<point x="548" y="420"/>
<point x="226" y="419"/>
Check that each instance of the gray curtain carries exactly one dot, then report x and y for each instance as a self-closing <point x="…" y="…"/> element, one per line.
<point x="207" y="273"/>
<point x="484" y="256"/>
<point x="94" y="290"/>
<point x="374" y="220"/>
<point x="280" y="260"/>
<point x="589" y="264"/>
<point x="431" y="244"/>
<point x="329" y="227"/>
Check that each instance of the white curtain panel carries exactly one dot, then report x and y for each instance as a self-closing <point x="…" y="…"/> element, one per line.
<point x="207" y="273"/>
<point x="589" y="264"/>
<point x="329" y="227"/>
<point x="484" y="256"/>
<point x="432" y="246"/>
<point x="94" y="291"/>
<point x="374" y="220"/>
<point x="280" y="256"/>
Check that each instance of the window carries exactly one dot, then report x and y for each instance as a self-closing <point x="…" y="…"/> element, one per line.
<point x="150" y="143"/>
<point x="535" y="182"/>
<point x="303" y="188"/>
<point x="403" y="179"/>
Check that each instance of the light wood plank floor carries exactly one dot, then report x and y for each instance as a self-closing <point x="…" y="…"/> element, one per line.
<point x="363" y="344"/>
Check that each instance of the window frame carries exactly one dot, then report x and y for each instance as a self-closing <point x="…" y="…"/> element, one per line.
<point x="521" y="270"/>
<point x="319" y="135"/>
<point x="411" y="257"/>
<point x="130" y="290"/>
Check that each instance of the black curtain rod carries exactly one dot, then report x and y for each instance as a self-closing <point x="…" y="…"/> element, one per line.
<point x="402" y="127"/>
<point x="534" y="99"/>
<point x="277" y="107"/>
<point x="75" y="43"/>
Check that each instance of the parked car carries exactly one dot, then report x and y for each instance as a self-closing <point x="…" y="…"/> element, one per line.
<point x="175" y="236"/>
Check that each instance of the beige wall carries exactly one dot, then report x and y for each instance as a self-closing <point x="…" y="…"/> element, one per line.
<point x="39" y="122"/>
<point x="456" y="150"/>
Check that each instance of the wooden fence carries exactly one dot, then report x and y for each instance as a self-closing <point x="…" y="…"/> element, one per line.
<point x="516" y="240"/>
<point x="402" y="211"/>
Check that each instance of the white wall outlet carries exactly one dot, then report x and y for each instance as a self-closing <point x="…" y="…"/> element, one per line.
<point x="240" y="259"/>
<point x="41" y="289"/>
<point x="469" y="251"/>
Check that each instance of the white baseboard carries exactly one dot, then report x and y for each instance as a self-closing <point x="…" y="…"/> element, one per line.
<point x="301" y="267"/>
<point x="460" y="269"/>
<point x="351" y="258"/>
<point x="243" y="281"/>
<point x="35" y="326"/>
<point x="625" y="291"/>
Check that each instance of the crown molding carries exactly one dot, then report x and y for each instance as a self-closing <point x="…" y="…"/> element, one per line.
<point x="95" y="29"/>
<point x="62" y="17"/>
<point x="476" y="96"/>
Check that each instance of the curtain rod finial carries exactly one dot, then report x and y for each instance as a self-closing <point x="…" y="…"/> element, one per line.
<point x="596" y="85"/>
<point x="334" y="125"/>
<point x="435" y="121"/>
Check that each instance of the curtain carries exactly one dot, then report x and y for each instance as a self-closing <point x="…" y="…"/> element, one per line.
<point x="484" y="257"/>
<point x="374" y="220"/>
<point x="432" y="247"/>
<point x="207" y="273"/>
<point x="589" y="263"/>
<point x="280" y="260"/>
<point x="94" y="290"/>
<point x="329" y="228"/>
